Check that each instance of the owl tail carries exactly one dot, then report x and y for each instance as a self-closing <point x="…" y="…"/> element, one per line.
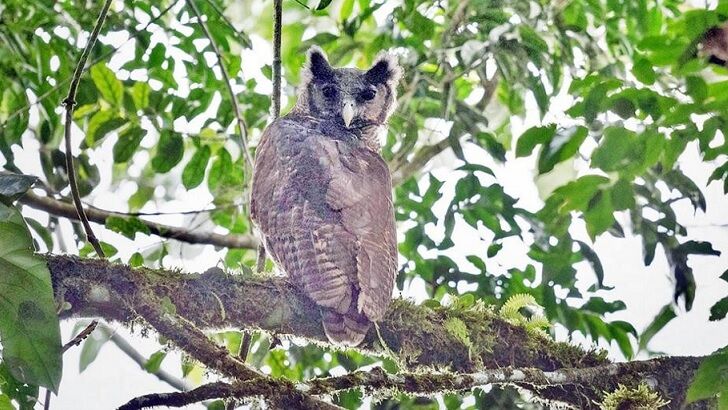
<point x="347" y="329"/>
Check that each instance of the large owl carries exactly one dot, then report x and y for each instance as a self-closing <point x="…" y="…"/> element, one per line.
<point x="322" y="194"/>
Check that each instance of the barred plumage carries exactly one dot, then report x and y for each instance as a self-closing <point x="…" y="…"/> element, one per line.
<point x="322" y="194"/>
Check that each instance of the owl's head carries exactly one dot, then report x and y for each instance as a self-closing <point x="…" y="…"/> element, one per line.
<point x="348" y="96"/>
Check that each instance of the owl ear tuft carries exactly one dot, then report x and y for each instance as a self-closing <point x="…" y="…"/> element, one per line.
<point x="386" y="69"/>
<point x="317" y="67"/>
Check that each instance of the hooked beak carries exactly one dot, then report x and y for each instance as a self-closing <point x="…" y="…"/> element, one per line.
<point x="347" y="112"/>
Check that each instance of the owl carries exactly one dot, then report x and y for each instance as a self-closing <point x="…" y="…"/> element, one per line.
<point x="322" y="194"/>
<point x="715" y="44"/>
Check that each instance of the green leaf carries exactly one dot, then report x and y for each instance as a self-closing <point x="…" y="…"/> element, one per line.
<point x="613" y="152"/>
<point x="493" y="249"/>
<point x="12" y="130"/>
<point x="697" y="88"/>
<point x="29" y="326"/>
<point x="128" y="143"/>
<point x="697" y="248"/>
<point x="663" y="318"/>
<point x="194" y="172"/>
<point x="155" y="361"/>
<point x="711" y="377"/>
<point x="91" y="346"/>
<point x="220" y="169"/>
<point x="578" y="194"/>
<point x="6" y="403"/>
<point x="719" y="310"/>
<point x="156" y="56"/>
<point x="140" y="95"/>
<point x="491" y="144"/>
<point x="136" y="260"/>
<point x="347" y="6"/>
<point x="323" y="4"/>
<point x="216" y="405"/>
<point x="622" y="339"/>
<point x="108" y="85"/>
<point x="623" y="196"/>
<point x="532" y="137"/>
<point x="643" y="71"/>
<point x="422" y="26"/>
<point x="100" y="124"/>
<point x="13" y="186"/>
<point x="599" y="216"/>
<point x="127" y="226"/>
<point x="561" y="147"/>
<point x="42" y="231"/>
<point x="599" y="305"/>
<point x="170" y="150"/>
<point x="24" y="394"/>
<point x="138" y="199"/>
<point x="476" y="168"/>
<point x="591" y="256"/>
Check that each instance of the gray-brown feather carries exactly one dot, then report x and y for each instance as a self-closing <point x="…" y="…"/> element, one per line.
<point x="322" y="195"/>
<point x="322" y="201"/>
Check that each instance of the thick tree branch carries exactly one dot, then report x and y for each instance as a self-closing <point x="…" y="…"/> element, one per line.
<point x="143" y="298"/>
<point x="66" y="210"/>
<point x="70" y="103"/>
<point x="417" y="335"/>
<point x="403" y="172"/>
<point x="580" y="388"/>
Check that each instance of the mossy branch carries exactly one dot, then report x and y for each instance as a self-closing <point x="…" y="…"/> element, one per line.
<point x="417" y="335"/>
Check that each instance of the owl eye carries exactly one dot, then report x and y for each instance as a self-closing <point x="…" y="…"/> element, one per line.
<point x="330" y="92"/>
<point x="367" y="95"/>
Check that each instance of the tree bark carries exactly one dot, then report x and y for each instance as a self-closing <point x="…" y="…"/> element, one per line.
<point x="416" y="335"/>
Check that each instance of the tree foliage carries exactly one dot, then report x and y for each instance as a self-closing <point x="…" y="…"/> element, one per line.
<point x="603" y="96"/>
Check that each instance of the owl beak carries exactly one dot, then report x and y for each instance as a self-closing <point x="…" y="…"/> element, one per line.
<point x="347" y="112"/>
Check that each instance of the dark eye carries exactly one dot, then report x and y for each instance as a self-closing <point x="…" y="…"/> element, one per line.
<point x="330" y="92"/>
<point x="367" y="95"/>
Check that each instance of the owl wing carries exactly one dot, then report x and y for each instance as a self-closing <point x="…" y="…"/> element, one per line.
<point x="326" y="215"/>
<point x="300" y="231"/>
<point x="361" y="189"/>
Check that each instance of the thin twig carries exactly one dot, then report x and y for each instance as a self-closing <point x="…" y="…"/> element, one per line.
<point x="73" y="342"/>
<point x="193" y="341"/>
<point x="67" y="210"/>
<point x="242" y="127"/>
<point x="245" y="345"/>
<point x="421" y="158"/>
<point x="70" y="102"/>
<point x="244" y="40"/>
<point x="277" y="27"/>
<point x="138" y="358"/>
<point x="286" y="395"/>
<point x="418" y="383"/>
<point x="81" y="336"/>
<point x="164" y="213"/>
